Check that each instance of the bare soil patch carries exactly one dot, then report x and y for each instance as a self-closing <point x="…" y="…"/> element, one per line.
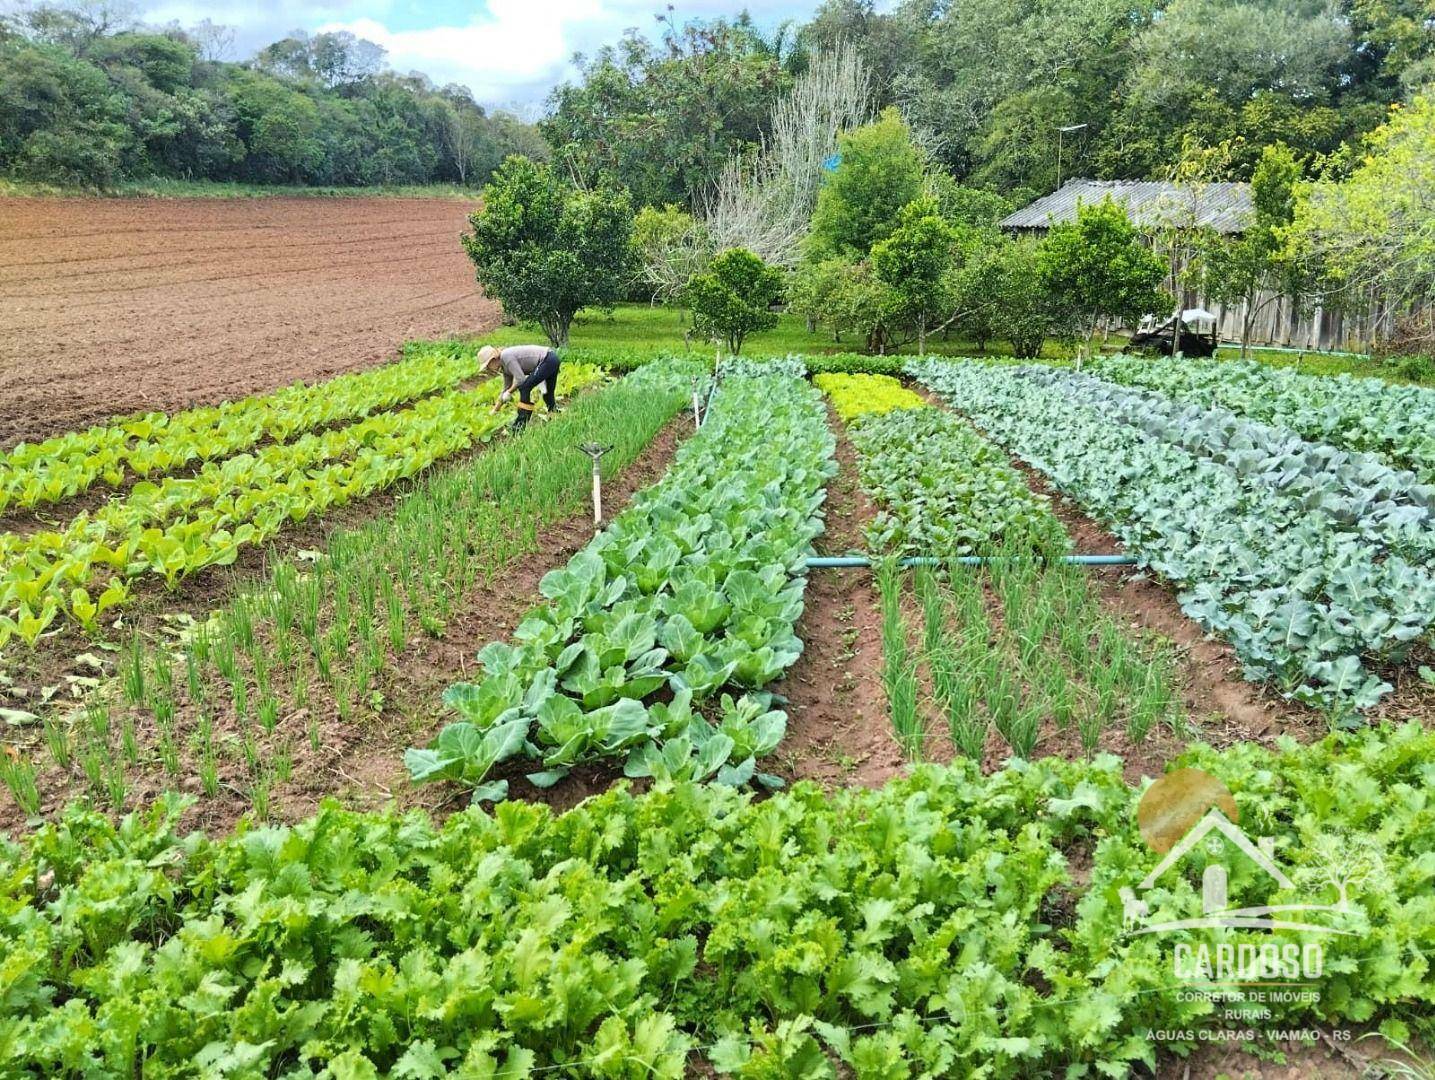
<point x="114" y="306"/>
<point x="838" y="729"/>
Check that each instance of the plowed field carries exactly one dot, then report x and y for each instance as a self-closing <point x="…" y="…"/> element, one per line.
<point x="109" y="306"/>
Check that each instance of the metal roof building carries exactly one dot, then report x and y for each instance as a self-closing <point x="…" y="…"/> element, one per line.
<point x="1225" y="207"/>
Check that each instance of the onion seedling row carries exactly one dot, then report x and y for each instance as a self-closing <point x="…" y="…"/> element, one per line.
<point x="317" y="637"/>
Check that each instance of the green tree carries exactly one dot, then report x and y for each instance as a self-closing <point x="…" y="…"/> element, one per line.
<point x="1239" y="269"/>
<point x="917" y="262"/>
<point x="546" y="250"/>
<point x="879" y="172"/>
<point x="60" y="118"/>
<point x="1369" y="235"/>
<point x="734" y="297"/>
<point x="863" y="305"/>
<point x="662" y="118"/>
<point x="1098" y="267"/>
<point x="1250" y="72"/>
<point x="813" y="290"/>
<point x="669" y="247"/>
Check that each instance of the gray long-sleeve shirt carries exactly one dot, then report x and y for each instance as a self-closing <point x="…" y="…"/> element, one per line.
<point x="517" y="362"/>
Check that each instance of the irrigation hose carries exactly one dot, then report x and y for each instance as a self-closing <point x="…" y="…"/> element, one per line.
<point x="824" y="562"/>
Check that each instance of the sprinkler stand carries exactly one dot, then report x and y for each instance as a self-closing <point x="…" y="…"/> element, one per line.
<point x="596" y="452"/>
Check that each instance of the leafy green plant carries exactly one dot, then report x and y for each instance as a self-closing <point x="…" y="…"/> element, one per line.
<point x="944" y="490"/>
<point x="156" y="444"/>
<point x="1319" y="572"/>
<point x="696" y="586"/>
<point x="183" y="524"/>
<point x="797" y="934"/>
<point x="855" y="396"/>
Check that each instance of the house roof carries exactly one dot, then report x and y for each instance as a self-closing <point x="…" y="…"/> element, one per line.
<point x="1225" y="207"/>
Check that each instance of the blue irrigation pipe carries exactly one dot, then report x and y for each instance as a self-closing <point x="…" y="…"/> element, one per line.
<point x="824" y="562"/>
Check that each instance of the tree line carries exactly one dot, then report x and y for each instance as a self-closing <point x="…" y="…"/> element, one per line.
<point x="90" y="98"/>
<point x="896" y="251"/>
<point x="987" y="85"/>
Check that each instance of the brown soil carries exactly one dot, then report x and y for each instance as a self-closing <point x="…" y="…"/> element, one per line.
<point x="112" y="306"/>
<point x="1350" y="1058"/>
<point x="838" y="729"/>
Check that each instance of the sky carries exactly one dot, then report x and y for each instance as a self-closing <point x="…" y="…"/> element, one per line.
<point x="509" y="52"/>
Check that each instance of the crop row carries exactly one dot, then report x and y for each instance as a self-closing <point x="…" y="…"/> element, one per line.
<point x="184" y="524"/>
<point x="156" y="444"/>
<point x="1303" y="597"/>
<point x="694" y="588"/>
<point x="941" y="489"/>
<point x="855" y="395"/>
<point x="318" y="640"/>
<point x="947" y="924"/>
<point x="1390" y="509"/>
<point x="1006" y="646"/>
<point x="1358" y="414"/>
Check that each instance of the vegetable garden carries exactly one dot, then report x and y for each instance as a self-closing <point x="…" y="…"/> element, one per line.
<point x="386" y="636"/>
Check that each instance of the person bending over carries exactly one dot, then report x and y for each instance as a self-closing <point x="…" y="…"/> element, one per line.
<point x="524" y="369"/>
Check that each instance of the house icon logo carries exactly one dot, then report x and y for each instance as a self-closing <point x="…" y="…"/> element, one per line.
<point x="1188" y="808"/>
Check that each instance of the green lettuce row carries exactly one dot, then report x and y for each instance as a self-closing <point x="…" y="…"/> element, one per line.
<point x="1304" y="601"/>
<point x="157" y="443"/>
<point x="692" y="589"/>
<point x="182" y="525"/>
<point x="934" y="927"/>
<point x="1358" y="414"/>
<point x="944" y="490"/>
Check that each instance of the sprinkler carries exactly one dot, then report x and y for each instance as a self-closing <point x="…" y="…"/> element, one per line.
<point x="596" y="452"/>
<point x="697" y="405"/>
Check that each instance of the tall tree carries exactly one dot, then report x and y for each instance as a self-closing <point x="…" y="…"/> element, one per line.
<point x="1372" y="235"/>
<point x="1252" y="268"/>
<point x="879" y="171"/>
<point x="1098" y="268"/>
<point x="663" y="118"/>
<point x="546" y="250"/>
<point x="917" y="262"/>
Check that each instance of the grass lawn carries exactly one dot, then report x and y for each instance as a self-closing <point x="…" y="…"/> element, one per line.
<point x="640" y="329"/>
<point x="1317" y="363"/>
<point x="160" y="188"/>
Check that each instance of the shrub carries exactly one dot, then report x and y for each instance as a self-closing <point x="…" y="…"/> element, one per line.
<point x="735" y="297"/>
<point x="546" y="250"/>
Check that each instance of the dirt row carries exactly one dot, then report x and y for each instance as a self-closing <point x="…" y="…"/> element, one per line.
<point x="112" y="306"/>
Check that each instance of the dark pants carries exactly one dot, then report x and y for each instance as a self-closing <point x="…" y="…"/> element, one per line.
<point x="545" y="373"/>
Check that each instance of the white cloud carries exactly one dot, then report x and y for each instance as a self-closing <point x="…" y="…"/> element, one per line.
<point x="508" y="52"/>
<point x="518" y="49"/>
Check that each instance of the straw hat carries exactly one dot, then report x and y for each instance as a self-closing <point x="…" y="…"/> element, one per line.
<point x="486" y="355"/>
